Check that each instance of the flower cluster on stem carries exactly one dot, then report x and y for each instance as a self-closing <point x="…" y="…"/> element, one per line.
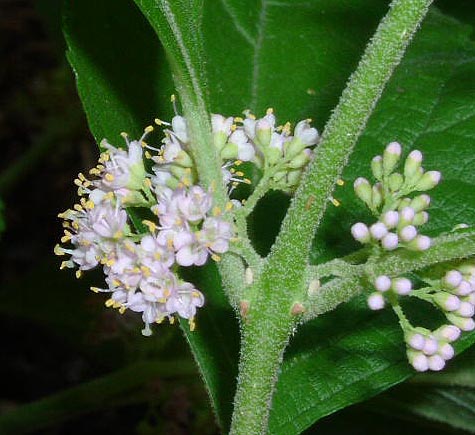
<point x="398" y="218"/>
<point x="180" y="224"/>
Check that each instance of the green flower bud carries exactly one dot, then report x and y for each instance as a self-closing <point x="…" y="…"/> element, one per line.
<point x="395" y="181"/>
<point x="420" y="203"/>
<point x="391" y="157"/>
<point x="377" y="167"/>
<point x="229" y="152"/>
<point x="377" y="195"/>
<point x="412" y="164"/>
<point x="428" y="181"/>
<point x="293" y="148"/>
<point x="263" y="132"/>
<point x="405" y="202"/>
<point x="363" y="190"/>
<point x="273" y="155"/>
<point x="300" y="160"/>
<point x="464" y="323"/>
<point x="420" y="218"/>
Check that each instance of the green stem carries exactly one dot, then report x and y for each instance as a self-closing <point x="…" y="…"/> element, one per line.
<point x="447" y="247"/>
<point x="264" y="337"/>
<point x="269" y="323"/>
<point x="364" y="88"/>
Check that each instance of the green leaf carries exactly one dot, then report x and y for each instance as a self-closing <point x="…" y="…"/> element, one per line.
<point x="351" y="354"/>
<point x="121" y="77"/>
<point x="293" y="56"/>
<point x="447" y="397"/>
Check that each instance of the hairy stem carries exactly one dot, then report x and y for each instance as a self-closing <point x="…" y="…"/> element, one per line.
<point x="447" y="247"/>
<point x="364" y="88"/>
<point x="282" y="283"/>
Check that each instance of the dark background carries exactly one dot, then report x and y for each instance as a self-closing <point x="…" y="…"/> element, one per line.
<point x="55" y="333"/>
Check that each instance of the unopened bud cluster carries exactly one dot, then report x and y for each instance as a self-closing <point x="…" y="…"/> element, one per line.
<point x="399" y="216"/>
<point x="179" y="224"/>
<point x="279" y="153"/>
<point x="453" y="294"/>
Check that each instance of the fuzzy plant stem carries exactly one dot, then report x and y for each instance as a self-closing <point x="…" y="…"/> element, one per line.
<point x="269" y="321"/>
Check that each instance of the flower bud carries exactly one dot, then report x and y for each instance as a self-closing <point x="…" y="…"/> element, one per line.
<point x="377" y="195"/>
<point x="431" y="346"/>
<point x="446" y="351"/>
<point x="428" y="181"/>
<point x="420" y="218"/>
<point x="402" y="286"/>
<point x="361" y="232"/>
<point x="263" y="132"/>
<point x="306" y="134"/>
<point x="395" y="182"/>
<point x="293" y="177"/>
<point x="464" y="323"/>
<point x="418" y="360"/>
<point x="447" y="301"/>
<point x="376" y="301"/>
<point x="420" y="243"/>
<point x="452" y="279"/>
<point x="463" y="289"/>
<point x="363" y="190"/>
<point x="377" y="167"/>
<point x="415" y="340"/>
<point x="391" y="157"/>
<point x="390" y="219"/>
<point x="382" y="283"/>
<point x="412" y="164"/>
<point x="420" y="203"/>
<point x="466" y="309"/>
<point x="229" y="152"/>
<point x="300" y="160"/>
<point x="436" y="363"/>
<point x="408" y="233"/>
<point x="390" y="241"/>
<point x="378" y="230"/>
<point x="183" y="159"/>
<point x="448" y="333"/>
<point x="406" y="216"/>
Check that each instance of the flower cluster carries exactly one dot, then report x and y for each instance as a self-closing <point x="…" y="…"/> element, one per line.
<point x="453" y="294"/>
<point x="179" y="224"/>
<point x="281" y="155"/>
<point x="140" y="266"/>
<point x="398" y="216"/>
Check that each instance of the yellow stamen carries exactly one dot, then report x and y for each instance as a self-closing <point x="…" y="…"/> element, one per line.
<point x="340" y="182"/>
<point x="152" y="226"/>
